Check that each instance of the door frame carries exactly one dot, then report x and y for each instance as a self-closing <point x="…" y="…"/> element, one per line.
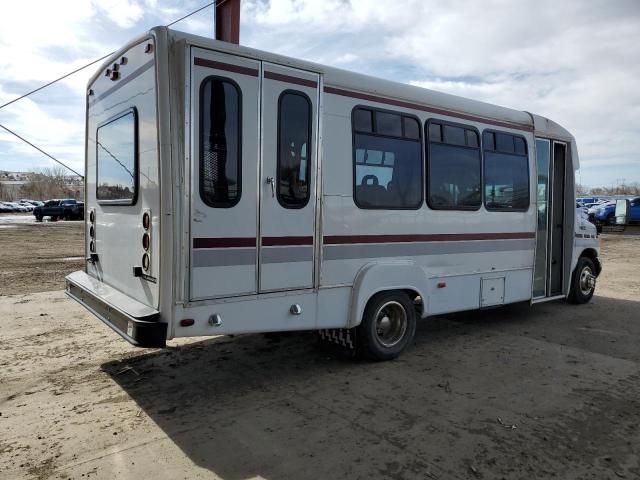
<point x="293" y="83"/>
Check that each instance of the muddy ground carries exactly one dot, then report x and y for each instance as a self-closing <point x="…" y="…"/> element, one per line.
<point x="551" y="391"/>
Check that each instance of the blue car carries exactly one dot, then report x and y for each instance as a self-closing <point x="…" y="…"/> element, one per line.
<point x="606" y="214"/>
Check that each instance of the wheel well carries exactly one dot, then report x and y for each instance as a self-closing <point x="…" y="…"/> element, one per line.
<point x="591" y="254"/>
<point x="414" y="295"/>
<point x="417" y="300"/>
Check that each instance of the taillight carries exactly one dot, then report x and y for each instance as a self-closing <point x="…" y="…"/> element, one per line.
<point x="146" y="262"/>
<point x="146" y="240"/>
<point x="92" y="231"/>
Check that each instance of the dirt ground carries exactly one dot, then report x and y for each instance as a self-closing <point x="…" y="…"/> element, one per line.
<point x="35" y="257"/>
<point x="551" y="391"/>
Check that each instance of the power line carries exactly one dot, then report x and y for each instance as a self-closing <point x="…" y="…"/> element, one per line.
<point x="99" y="59"/>
<point x="40" y="150"/>
<point x="221" y="2"/>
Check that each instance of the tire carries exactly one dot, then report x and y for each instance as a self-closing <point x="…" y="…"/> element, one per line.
<point x="54" y="218"/>
<point x="38" y="218"/>
<point x="388" y="326"/>
<point x="583" y="283"/>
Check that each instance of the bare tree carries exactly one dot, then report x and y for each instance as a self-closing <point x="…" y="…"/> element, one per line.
<point x="50" y="182"/>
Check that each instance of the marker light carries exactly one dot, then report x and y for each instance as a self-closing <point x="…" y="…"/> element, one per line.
<point x="146" y="242"/>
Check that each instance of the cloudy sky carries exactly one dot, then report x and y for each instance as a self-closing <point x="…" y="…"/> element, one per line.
<point x="576" y="62"/>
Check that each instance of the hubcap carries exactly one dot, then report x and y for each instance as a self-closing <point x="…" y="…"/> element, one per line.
<point x="391" y="323"/>
<point x="587" y="281"/>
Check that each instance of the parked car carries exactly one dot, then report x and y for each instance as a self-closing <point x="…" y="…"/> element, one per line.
<point x="16" y="207"/>
<point x="69" y="209"/>
<point x="5" y="207"/>
<point x="27" y="205"/>
<point x="606" y="214"/>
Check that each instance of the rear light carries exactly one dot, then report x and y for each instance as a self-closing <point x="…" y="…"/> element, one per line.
<point x="146" y="220"/>
<point x="92" y="230"/>
<point x="146" y="262"/>
<point x="146" y="242"/>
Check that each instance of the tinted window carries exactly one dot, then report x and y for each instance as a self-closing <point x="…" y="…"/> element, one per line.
<point x="454" y="135"/>
<point x="506" y="173"/>
<point x="411" y="128"/>
<point x="116" y="158"/>
<point x="363" y="120"/>
<point x="294" y="150"/>
<point x="220" y="184"/>
<point x="388" y="163"/>
<point x="435" y="132"/>
<point x="388" y="124"/>
<point x="454" y="168"/>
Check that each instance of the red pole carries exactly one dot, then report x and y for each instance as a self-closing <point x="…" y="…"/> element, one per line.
<point x="228" y="20"/>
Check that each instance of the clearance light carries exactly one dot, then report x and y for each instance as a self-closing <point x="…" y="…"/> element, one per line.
<point x="92" y="246"/>
<point x="92" y="232"/>
<point x="442" y="284"/>
<point x="186" y="322"/>
<point x="92" y="216"/>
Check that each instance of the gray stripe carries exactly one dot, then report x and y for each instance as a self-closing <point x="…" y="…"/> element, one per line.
<point x="345" y="252"/>
<point x="123" y="82"/>
<point x="287" y="254"/>
<point x="224" y="257"/>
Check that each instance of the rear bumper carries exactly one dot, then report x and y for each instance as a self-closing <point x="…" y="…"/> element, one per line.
<point x="138" y="324"/>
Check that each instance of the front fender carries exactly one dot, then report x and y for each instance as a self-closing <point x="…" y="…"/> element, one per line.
<point x="380" y="276"/>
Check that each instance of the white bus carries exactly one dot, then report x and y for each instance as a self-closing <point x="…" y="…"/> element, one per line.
<point x="230" y="190"/>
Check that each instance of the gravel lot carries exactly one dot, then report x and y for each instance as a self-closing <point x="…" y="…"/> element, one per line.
<point x="551" y="391"/>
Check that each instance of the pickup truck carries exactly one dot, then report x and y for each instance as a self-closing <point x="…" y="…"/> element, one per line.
<point x="69" y="209"/>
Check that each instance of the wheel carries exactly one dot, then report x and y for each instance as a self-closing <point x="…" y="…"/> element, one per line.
<point x="38" y="218"/>
<point x="388" y="326"/>
<point x="583" y="283"/>
<point x="54" y="218"/>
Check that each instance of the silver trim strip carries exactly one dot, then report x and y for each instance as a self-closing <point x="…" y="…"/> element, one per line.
<point x="346" y="252"/>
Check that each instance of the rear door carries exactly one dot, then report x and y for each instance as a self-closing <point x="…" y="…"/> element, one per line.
<point x="224" y="174"/>
<point x="288" y="183"/>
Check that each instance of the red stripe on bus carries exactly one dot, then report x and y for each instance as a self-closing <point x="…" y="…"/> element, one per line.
<point x="280" y="241"/>
<point x="224" y="242"/>
<point x="417" y="106"/>
<point x="229" y="67"/>
<point x="352" y="239"/>
<point x="439" y="237"/>
<point x="289" y="79"/>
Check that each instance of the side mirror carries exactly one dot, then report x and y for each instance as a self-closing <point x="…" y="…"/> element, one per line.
<point x="622" y="212"/>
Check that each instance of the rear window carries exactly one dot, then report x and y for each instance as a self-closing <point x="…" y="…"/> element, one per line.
<point x="117" y="159"/>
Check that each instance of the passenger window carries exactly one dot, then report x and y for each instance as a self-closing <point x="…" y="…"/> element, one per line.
<point x="411" y="128"/>
<point x="388" y="163"/>
<point x="388" y="124"/>
<point x="117" y="159"/>
<point x="506" y="173"/>
<point x="294" y="149"/>
<point x="454" y="168"/>
<point x="363" y="120"/>
<point x="220" y="157"/>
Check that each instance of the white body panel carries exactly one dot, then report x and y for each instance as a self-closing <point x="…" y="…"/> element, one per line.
<point x="249" y="264"/>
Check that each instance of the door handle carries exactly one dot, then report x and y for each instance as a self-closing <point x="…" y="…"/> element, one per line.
<point x="270" y="181"/>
